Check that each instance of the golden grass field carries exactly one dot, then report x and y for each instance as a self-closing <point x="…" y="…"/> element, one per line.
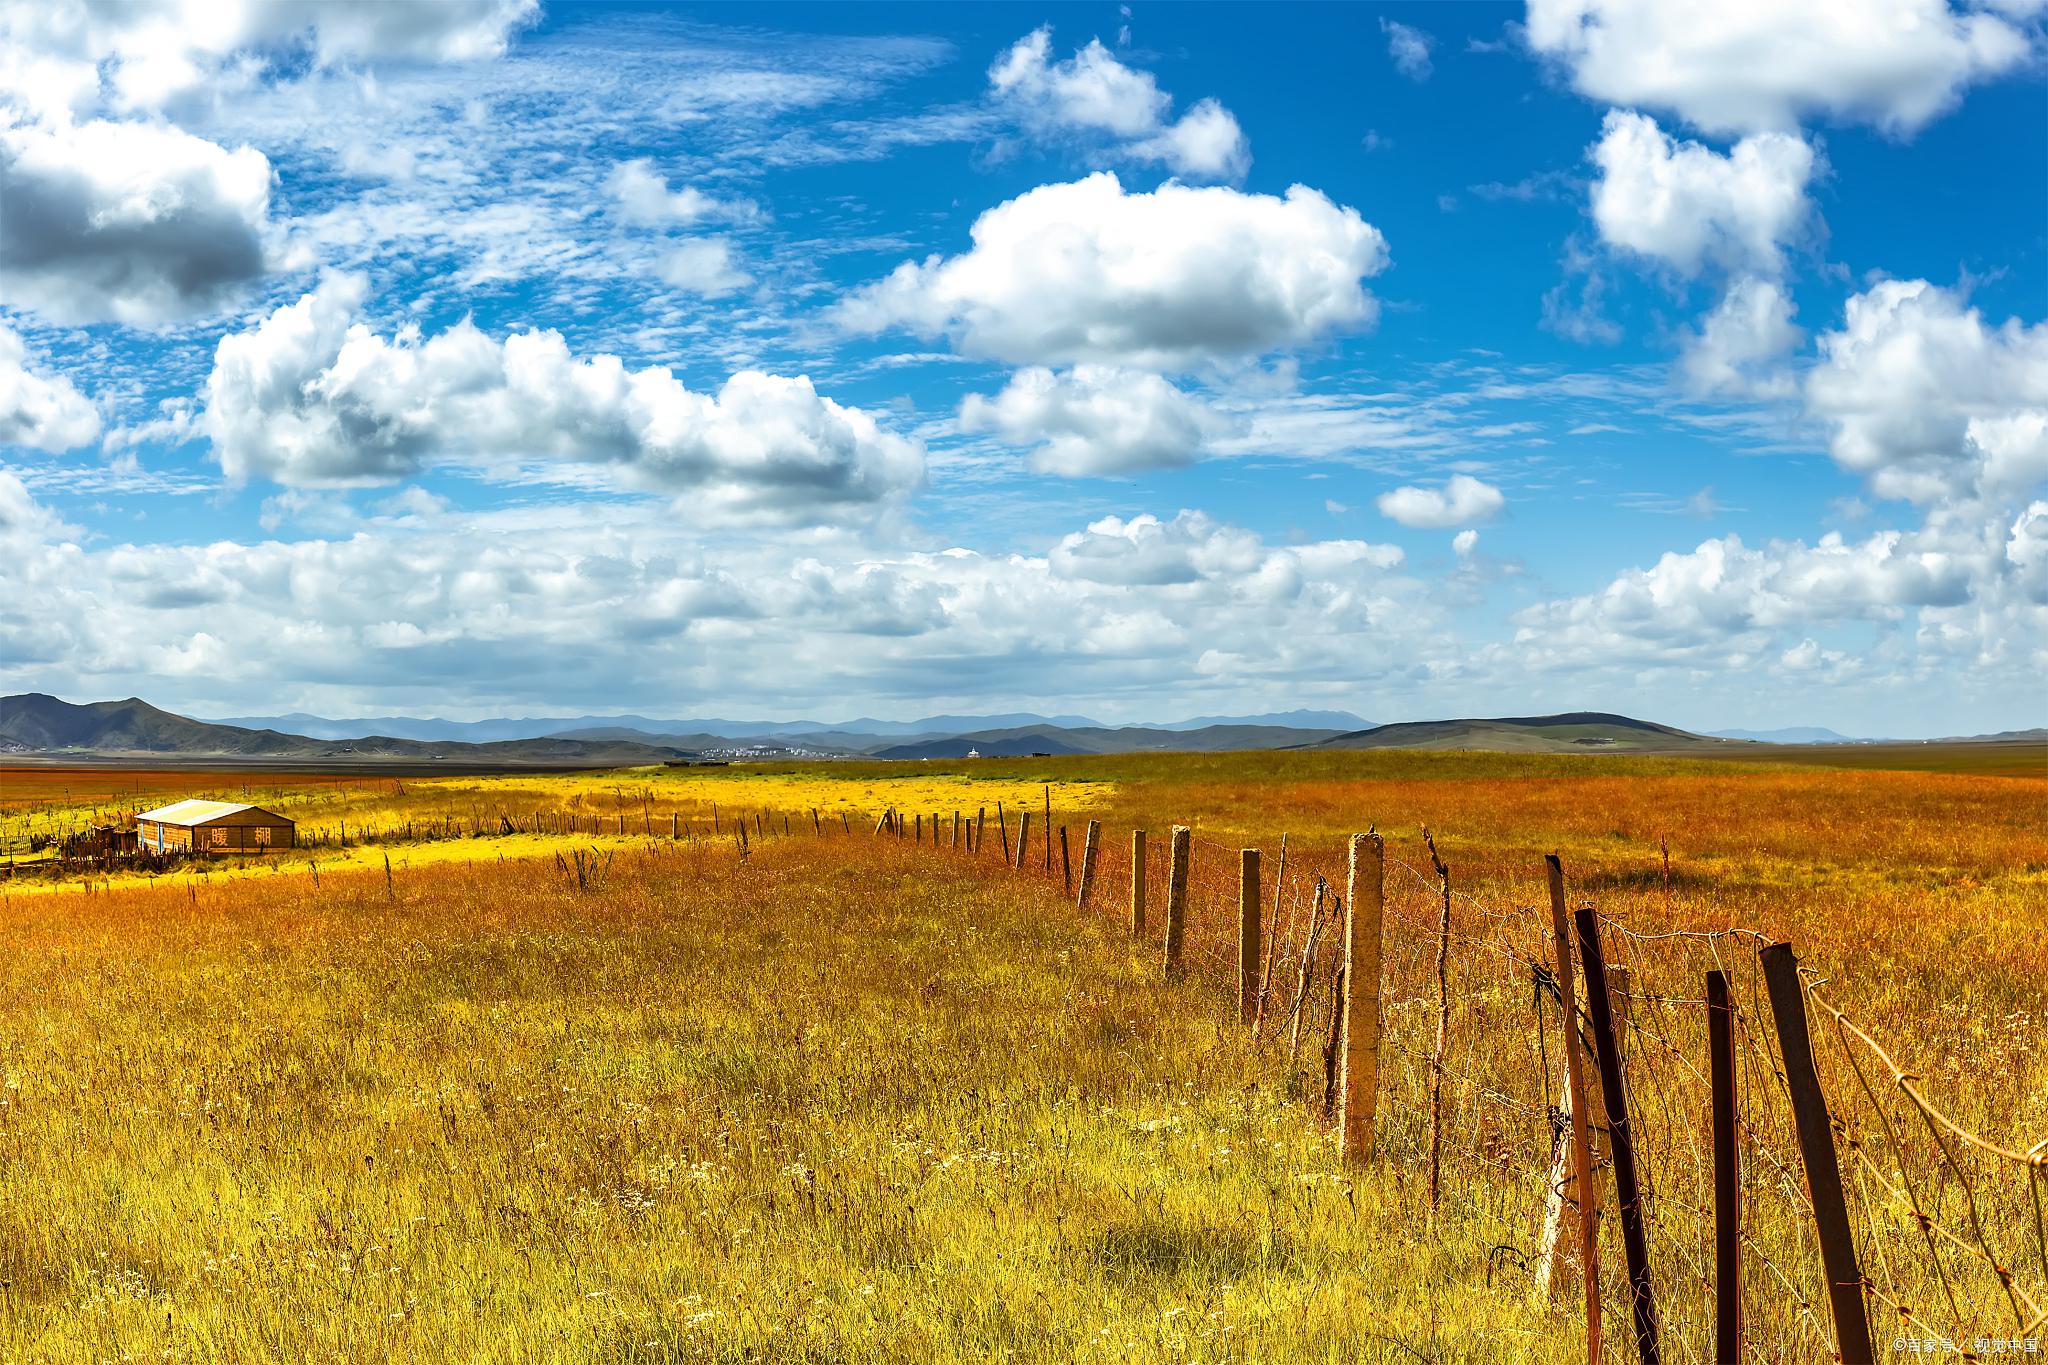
<point x="858" y="1098"/>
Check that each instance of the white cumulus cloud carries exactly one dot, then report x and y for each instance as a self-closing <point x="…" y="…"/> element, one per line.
<point x="1087" y="273"/>
<point x="1096" y="420"/>
<point x="1746" y="66"/>
<point x="1686" y="205"/>
<point x="1460" y="502"/>
<point x="41" y="411"/>
<point x="1740" y="347"/>
<point x="312" y="396"/>
<point x="128" y="222"/>
<point x="148" y="53"/>
<point x="1929" y="402"/>
<point x="1094" y="93"/>
<point x="645" y="198"/>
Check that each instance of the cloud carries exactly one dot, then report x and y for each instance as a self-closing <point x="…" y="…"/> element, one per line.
<point x="703" y="266"/>
<point x="1464" y="543"/>
<point x="1749" y="66"/>
<point x="1460" y="502"/>
<point x="152" y="52"/>
<point x="1928" y="402"/>
<point x="644" y="198"/>
<point x="1144" y="551"/>
<point x="1687" y="206"/>
<point x="1092" y="93"/>
<point x="1096" y="420"/>
<point x="619" y="605"/>
<point x="128" y="222"/>
<point x="40" y="411"/>
<point x="1740" y="347"/>
<point x="313" y="397"/>
<point x="1409" y="49"/>
<point x="1725" y="603"/>
<point x="1085" y="273"/>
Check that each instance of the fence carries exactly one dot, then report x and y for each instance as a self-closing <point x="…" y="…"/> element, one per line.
<point x="1761" y="1179"/>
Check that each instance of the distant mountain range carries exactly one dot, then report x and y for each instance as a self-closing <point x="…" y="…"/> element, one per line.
<point x="861" y="733"/>
<point x="36" y="724"/>
<point x="1797" y="734"/>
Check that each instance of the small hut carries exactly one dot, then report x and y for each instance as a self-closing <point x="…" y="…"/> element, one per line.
<point x="211" y="827"/>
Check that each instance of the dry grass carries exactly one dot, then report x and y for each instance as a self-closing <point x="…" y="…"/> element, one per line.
<point x="855" y="1099"/>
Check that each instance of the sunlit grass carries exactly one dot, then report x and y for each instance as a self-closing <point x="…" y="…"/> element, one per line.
<point x="850" y="1098"/>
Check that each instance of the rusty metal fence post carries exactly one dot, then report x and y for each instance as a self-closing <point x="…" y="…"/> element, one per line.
<point x="1727" y="1173"/>
<point x="1817" y="1154"/>
<point x="1628" y="1193"/>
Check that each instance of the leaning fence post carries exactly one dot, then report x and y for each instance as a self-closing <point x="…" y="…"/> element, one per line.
<point x="1247" y="935"/>
<point x="1023" y="837"/>
<point x="1066" y="866"/>
<point x="1578" y="1097"/>
<point x="1358" y="1080"/>
<point x="1628" y="1194"/>
<point x="1817" y="1154"/>
<point x="1089" y="848"/>
<point x="1727" y="1173"/>
<point x="1176" y="895"/>
<point x="1003" y="830"/>
<point x="1137" y="882"/>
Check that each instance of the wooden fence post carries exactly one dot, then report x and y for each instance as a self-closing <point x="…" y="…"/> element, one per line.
<point x="1577" y="1099"/>
<point x="1727" y="1173"/>
<point x="1177" y="895"/>
<point x="1003" y="830"/>
<point x="1443" y="1028"/>
<point x="955" y="845"/>
<point x="1628" y="1194"/>
<point x="1358" y="1080"/>
<point x="1272" y="937"/>
<point x="1817" y="1154"/>
<point x="1048" y="829"/>
<point x="1089" y="849"/>
<point x="1023" y="837"/>
<point x="674" y="831"/>
<point x="1247" y="935"/>
<point x="1066" y="867"/>
<point x="1137" y="883"/>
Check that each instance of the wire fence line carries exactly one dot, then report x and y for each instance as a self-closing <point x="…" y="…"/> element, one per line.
<point x="1946" y="1217"/>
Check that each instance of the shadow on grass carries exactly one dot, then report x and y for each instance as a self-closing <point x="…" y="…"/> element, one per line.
<point x="1153" y="1248"/>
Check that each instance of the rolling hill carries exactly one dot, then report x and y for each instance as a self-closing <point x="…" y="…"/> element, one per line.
<point x="35" y="723"/>
<point x="1571" y="732"/>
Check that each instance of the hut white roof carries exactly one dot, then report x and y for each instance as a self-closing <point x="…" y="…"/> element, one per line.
<point x="196" y="812"/>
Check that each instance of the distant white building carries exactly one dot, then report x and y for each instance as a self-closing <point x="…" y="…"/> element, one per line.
<point x="974" y="753"/>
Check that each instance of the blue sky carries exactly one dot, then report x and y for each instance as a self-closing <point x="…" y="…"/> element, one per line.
<point x="490" y="358"/>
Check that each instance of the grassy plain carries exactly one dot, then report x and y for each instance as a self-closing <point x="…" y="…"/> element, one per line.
<point x="854" y="1098"/>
